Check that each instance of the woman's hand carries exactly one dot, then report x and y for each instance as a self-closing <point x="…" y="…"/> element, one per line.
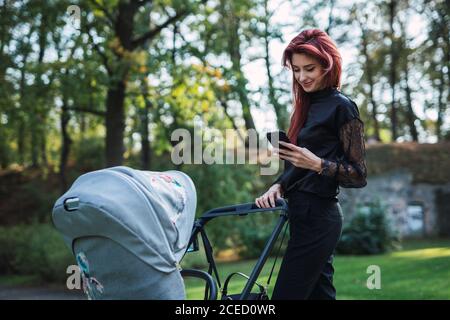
<point x="299" y="157"/>
<point x="268" y="199"/>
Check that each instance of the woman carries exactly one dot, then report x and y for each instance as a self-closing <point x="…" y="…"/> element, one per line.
<point x="326" y="151"/>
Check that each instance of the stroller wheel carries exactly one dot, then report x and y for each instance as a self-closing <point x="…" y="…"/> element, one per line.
<point x="210" y="283"/>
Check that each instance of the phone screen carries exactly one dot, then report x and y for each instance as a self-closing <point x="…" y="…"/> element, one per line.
<point x="276" y="136"/>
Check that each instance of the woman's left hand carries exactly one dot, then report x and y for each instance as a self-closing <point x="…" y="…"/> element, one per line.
<point x="299" y="157"/>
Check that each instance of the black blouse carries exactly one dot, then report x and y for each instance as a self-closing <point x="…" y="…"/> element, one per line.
<point x="334" y="132"/>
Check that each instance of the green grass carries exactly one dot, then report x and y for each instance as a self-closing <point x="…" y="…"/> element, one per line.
<point x="421" y="270"/>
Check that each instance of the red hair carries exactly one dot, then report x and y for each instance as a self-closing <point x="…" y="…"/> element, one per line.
<point x="319" y="46"/>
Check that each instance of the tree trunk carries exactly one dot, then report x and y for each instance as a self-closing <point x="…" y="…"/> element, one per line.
<point x="43" y="136"/>
<point x="232" y="23"/>
<point x="66" y="143"/>
<point x="34" y="142"/>
<point x="145" y="141"/>
<point x="393" y="74"/>
<point x="369" y="78"/>
<point x="404" y="60"/>
<point x="21" y="127"/>
<point x="21" y="142"/>
<point x="446" y="37"/>
<point x="280" y="110"/>
<point x="37" y="116"/>
<point x="115" y="110"/>
<point x="410" y="112"/>
<point x="3" y="40"/>
<point x="225" y="108"/>
<point x="441" y="106"/>
<point x="115" y="124"/>
<point x="330" y="17"/>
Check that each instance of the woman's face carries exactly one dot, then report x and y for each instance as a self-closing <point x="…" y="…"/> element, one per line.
<point x="307" y="71"/>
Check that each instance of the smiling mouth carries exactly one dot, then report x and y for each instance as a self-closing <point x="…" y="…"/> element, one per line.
<point x="307" y="84"/>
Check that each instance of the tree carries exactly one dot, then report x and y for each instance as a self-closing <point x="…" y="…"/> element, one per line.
<point x="123" y="39"/>
<point x="269" y="33"/>
<point x="368" y="54"/>
<point x="435" y="56"/>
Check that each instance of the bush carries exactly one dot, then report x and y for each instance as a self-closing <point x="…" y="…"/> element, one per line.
<point x="368" y="232"/>
<point x="223" y="185"/>
<point x="26" y="196"/>
<point x="36" y="201"/>
<point x="252" y="234"/>
<point x="36" y="249"/>
<point x="9" y="242"/>
<point x="219" y="186"/>
<point x="89" y="154"/>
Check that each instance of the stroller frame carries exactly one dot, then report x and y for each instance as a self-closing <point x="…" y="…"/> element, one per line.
<point x="233" y="210"/>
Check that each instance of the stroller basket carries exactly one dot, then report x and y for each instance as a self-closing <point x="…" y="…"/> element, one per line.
<point x="211" y="283"/>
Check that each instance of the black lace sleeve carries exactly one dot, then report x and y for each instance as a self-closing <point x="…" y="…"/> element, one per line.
<point x="283" y="178"/>
<point x="350" y="171"/>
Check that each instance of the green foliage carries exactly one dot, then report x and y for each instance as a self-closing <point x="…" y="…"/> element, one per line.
<point x="194" y="68"/>
<point x="368" y="232"/>
<point x="223" y="185"/>
<point x="4" y="148"/>
<point x="252" y="234"/>
<point x="89" y="154"/>
<point x="218" y="186"/>
<point x="35" y="202"/>
<point x="26" y="196"/>
<point x="35" y="249"/>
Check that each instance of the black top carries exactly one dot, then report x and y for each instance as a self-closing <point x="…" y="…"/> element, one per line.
<point x="334" y="132"/>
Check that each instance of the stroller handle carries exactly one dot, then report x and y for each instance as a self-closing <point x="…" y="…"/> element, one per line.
<point x="238" y="209"/>
<point x="245" y="208"/>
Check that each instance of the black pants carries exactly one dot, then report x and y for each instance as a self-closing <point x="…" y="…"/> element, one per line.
<point x="315" y="226"/>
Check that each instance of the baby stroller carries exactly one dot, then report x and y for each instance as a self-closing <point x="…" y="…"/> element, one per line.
<point x="129" y="230"/>
<point x="211" y="284"/>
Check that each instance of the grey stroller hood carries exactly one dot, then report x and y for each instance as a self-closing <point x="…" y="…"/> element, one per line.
<point x="148" y="213"/>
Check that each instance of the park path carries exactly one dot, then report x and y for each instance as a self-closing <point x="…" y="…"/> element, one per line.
<point x="39" y="293"/>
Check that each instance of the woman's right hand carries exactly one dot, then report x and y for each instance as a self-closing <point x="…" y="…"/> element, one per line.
<point x="268" y="199"/>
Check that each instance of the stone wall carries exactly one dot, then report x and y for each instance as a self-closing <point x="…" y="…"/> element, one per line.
<point x="418" y="209"/>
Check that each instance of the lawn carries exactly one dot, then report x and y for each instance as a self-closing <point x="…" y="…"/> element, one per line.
<point x="420" y="270"/>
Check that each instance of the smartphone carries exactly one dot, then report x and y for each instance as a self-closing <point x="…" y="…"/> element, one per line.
<point x="276" y="136"/>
